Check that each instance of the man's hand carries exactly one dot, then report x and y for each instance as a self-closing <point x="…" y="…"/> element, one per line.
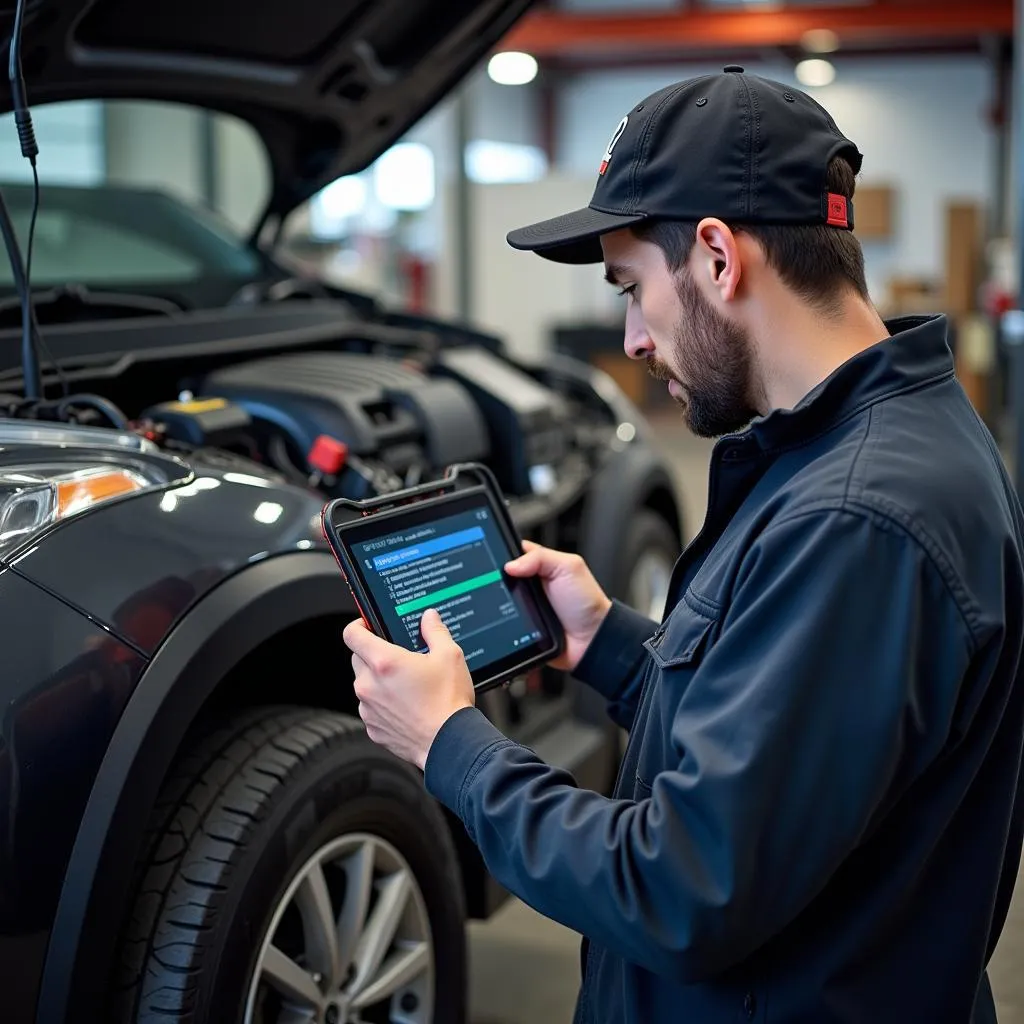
<point x="404" y="697"/>
<point x="577" y="598"/>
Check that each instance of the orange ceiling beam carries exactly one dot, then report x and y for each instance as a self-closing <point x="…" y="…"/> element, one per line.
<point x="547" y="33"/>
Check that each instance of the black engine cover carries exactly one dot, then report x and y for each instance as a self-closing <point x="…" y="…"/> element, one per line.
<point x="371" y="403"/>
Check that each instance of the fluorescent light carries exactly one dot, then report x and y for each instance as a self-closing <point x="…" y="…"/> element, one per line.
<point x="820" y="40"/>
<point x="512" y="68"/>
<point x="403" y="177"/>
<point x="335" y="204"/>
<point x="815" y="72"/>
<point x="494" y="163"/>
<point x="344" y="197"/>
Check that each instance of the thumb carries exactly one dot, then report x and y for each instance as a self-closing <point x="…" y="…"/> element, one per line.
<point x="435" y="632"/>
<point x="529" y="563"/>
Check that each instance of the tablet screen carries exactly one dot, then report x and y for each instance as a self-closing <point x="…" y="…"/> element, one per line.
<point x="450" y="558"/>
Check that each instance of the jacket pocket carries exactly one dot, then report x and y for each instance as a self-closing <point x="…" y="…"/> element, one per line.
<point x="682" y="638"/>
<point x="677" y="649"/>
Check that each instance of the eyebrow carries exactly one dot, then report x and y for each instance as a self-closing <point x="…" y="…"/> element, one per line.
<point x="615" y="272"/>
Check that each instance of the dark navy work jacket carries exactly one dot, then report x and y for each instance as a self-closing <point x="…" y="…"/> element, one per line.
<point x="819" y="814"/>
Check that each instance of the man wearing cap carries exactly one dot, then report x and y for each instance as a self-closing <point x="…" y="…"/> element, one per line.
<point x="819" y="814"/>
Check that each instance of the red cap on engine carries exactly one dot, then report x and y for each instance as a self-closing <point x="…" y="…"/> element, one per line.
<point x="328" y="455"/>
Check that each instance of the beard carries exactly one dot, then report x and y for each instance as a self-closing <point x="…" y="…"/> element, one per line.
<point x="715" y="360"/>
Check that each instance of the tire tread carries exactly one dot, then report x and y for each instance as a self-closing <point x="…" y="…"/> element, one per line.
<point x="210" y="803"/>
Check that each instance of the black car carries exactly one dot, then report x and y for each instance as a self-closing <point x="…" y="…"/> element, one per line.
<point x="194" y="826"/>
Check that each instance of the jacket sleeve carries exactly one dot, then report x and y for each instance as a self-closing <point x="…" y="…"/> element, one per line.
<point x="615" y="661"/>
<point x="832" y="683"/>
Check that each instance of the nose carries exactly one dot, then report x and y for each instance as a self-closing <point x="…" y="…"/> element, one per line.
<point x="637" y="342"/>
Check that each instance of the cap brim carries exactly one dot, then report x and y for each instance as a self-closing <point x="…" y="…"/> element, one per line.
<point x="573" y="237"/>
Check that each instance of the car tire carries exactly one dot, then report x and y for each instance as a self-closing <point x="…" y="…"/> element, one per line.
<point x="647" y="560"/>
<point x="272" y="826"/>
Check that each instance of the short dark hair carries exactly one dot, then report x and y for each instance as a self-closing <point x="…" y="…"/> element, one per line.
<point x="816" y="261"/>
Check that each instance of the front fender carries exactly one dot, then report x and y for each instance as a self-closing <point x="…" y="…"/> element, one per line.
<point x="226" y="625"/>
<point x="634" y="478"/>
<point x="136" y="566"/>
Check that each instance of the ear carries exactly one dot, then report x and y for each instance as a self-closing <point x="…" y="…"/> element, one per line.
<point x="717" y="257"/>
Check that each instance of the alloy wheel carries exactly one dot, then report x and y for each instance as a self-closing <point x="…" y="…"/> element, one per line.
<point x="349" y="942"/>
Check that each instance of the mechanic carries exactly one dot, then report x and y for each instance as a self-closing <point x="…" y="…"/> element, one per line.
<point x="819" y="815"/>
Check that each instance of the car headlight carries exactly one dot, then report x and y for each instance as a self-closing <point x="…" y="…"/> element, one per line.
<point x="34" y="497"/>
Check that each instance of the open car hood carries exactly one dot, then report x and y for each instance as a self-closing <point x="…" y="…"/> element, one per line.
<point x="328" y="86"/>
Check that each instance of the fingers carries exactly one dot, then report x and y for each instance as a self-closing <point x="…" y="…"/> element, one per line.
<point x="528" y="564"/>
<point x="434" y="631"/>
<point x="540" y="561"/>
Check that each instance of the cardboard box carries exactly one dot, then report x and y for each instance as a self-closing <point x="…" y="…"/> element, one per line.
<point x="965" y="239"/>
<point x="908" y="295"/>
<point x="874" y="212"/>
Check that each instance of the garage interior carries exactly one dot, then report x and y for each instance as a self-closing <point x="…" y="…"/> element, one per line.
<point x="930" y="90"/>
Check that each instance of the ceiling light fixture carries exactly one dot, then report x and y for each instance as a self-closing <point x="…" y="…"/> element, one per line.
<point x="512" y="68"/>
<point x="815" y="72"/>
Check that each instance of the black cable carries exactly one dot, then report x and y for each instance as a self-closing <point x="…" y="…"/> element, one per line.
<point x="22" y="114"/>
<point x="32" y="221"/>
<point x="28" y="279"/>
<point x="31" y="337"/>
<point x="114" y="415"/>
<point x="26" y="136"/>
<point x="29" y="359"/>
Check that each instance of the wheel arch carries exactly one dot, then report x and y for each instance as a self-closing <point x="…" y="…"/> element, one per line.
<point x="199" y="654"/>
<point x="634" y="478"/>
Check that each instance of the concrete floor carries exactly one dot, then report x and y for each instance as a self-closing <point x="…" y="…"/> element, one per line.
<point x="525" y="969"/>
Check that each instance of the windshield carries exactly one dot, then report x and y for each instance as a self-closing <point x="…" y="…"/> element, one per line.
<point x="135" y="194"/>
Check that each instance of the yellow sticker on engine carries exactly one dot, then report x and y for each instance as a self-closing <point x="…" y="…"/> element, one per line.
<point x="198" y="405"/>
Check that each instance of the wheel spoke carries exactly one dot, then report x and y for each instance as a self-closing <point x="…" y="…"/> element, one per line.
<point x="359" y="872"/>
<point x="319" y="928"/>
<point x="397" y="972"/>
<point x="289" y="979"/>
<point x="380" y="929"/>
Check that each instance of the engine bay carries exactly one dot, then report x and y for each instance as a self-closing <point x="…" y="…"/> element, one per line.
<point x="325" y="396"/>
<point x="358" y="424"/>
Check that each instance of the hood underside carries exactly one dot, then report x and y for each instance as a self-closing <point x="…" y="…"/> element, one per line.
<point x="328" y="86"/>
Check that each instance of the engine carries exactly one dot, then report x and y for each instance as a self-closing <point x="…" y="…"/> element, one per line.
<point x="358" y="424"/>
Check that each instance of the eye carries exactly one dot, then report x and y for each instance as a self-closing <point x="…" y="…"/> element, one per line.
<point x="628" y="289"/>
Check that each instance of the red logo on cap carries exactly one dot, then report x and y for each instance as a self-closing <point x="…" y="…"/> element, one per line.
<point x="611" y="145"/>
<point x="837" y="215"/>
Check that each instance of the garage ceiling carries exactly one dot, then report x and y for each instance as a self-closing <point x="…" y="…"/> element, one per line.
<point x="607" y="33"/>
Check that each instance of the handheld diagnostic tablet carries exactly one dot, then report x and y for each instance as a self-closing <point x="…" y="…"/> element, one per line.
<point x="444" y="545"/>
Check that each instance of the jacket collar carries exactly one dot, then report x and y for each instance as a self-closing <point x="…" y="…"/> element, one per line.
<point x="915" y="354"/>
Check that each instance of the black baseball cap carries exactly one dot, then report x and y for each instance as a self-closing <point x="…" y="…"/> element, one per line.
<point x="735" y="146"/>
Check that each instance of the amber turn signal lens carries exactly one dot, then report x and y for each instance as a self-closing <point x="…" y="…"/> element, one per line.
<point x="80" y="492"/>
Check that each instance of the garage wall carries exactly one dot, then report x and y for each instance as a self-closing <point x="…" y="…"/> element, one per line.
<point x="519" y="295"/>
<point x="156" y="146"/>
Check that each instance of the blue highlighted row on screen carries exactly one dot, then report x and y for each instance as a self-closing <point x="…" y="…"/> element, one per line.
<point x="428" y="547"/>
